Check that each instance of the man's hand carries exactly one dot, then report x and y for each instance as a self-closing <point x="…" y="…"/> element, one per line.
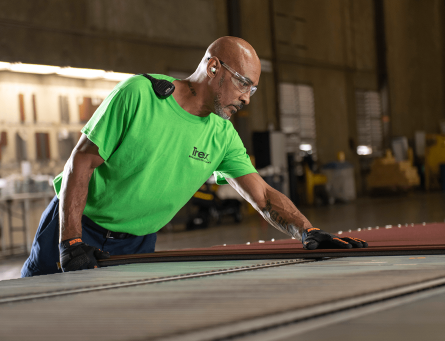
<point x="76" y="255"/>
<point x="314" y="238"/>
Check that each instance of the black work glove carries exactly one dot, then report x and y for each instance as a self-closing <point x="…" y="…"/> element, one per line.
<point x="76" y="255"/>
<point x="314" y="238"/>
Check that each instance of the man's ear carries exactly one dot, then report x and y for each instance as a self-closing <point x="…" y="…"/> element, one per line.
<point x="212" y="68"/>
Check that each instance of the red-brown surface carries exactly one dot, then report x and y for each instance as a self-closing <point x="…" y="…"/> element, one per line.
<point x="383" y="239"/>
<point x="417" y="235"/>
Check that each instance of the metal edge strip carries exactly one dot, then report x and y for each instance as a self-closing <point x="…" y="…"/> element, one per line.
<point x="63" y="292"/>
<point x="293" y="329"/>
<point x="232" y="331"/>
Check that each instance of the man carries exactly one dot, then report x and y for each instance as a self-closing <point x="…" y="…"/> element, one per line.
<point x="142" y="157"/>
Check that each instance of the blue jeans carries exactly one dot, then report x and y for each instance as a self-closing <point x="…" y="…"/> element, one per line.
<point x="44" y="254"/>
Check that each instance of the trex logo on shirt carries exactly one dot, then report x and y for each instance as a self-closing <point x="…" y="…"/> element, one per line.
<point x="200" y="156"/>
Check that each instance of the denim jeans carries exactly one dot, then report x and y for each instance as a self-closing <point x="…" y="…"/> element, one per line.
<point x="44" y="254"/>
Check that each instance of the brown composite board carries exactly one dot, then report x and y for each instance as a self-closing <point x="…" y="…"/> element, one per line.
<point x="420" y="239"/>
<point x="122" y="260"/>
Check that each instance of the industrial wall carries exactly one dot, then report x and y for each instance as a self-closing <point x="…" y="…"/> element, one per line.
<point x="415" y="59"/>
<point x="329" y="45"/>
<point x="128" y="36"/>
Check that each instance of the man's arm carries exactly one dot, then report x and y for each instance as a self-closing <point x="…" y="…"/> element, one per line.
<point x="74" y="190"/>
<point x="275" y="207"/>
<point x="281" y="213"/>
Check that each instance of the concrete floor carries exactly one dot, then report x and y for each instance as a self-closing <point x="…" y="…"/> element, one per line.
<point x="414" y="207"/>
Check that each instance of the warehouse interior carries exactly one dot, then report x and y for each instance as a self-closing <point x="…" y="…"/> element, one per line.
<point x="348" y="121"/>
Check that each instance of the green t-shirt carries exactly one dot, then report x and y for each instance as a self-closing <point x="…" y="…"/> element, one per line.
<point x="156" y="155"/>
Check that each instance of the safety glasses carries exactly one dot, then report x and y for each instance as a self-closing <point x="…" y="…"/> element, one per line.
<point x="242" y="83"/>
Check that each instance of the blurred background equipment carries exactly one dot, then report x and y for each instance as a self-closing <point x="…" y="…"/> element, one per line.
<point x="17" y="193"/>
<point x="340" y="179"/>
<point x="434" y="161"/>
<point x="388" y="173"/>
<point x="400" y="149"/>
<point x="270" y="159"/>
<point x="209" y="207"/>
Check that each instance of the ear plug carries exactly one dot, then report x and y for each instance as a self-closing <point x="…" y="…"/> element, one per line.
<point x="213" y="69"/>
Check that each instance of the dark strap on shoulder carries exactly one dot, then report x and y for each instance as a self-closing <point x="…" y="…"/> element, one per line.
<point x="162" y="87"/>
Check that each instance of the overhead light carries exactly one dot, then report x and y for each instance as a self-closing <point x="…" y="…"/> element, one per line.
<point x="73" y="72"/>
<point x="81" y="73"/>
<point x="364" y="150"/>
<point x="116" y="76"/>
<point x="305" y="147"/>
<point x="4" y="66"/>
<point x="33" y="68"/>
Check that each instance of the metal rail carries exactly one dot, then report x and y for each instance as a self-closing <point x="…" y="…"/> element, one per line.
<point x="293" y="330"/>
<point x="63" y="292"/>
<point x="294" y="322"/>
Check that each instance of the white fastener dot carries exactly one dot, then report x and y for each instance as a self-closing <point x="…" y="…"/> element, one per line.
<point x="399" y="225"/>
<point x="369" y="228"/>
<point x="340" y="232"/>
<point x="388" y="226"/>
<point x="423" y="223"/>
<point x="349" y="230"/>
<point x="272" y="240"/>
<point x="248" y="243"/>
<point x="261" y="241"/>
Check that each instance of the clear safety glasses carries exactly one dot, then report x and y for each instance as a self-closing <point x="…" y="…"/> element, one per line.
<point x="242" y="83"/>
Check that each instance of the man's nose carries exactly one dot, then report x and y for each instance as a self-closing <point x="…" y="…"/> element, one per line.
<point x="245" y="98"/>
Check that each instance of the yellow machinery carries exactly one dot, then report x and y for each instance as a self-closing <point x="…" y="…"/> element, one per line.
<point x="313" y="180"/>
<point x="434" y="156"/>
<point x="386" y="172"/>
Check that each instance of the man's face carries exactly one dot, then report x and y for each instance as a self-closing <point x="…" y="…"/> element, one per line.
<point x="228" y="97"/>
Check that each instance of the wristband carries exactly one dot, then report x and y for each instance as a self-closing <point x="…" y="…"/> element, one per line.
<point x="69" y="242"/>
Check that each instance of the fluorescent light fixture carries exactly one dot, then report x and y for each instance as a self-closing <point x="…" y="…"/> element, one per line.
<point x="116" y="76"/>
<point x="364" y="150"/>
<point x="65" y="71"/>
<point x="4" y="66"/>
<point x="81" y="73"/>
<point x="305" y="147"/>
<point x="33" y="68"/>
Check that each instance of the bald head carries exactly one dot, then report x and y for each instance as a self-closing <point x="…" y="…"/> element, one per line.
<point x="234" y="51"/>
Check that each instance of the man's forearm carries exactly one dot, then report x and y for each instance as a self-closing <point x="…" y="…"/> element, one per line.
<point x="282" y="214"/>
<point x="275" y="207"/>
<point x="73" y="198"/>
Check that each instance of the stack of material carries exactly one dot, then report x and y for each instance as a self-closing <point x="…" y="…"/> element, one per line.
<point x="386" y="172"/>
